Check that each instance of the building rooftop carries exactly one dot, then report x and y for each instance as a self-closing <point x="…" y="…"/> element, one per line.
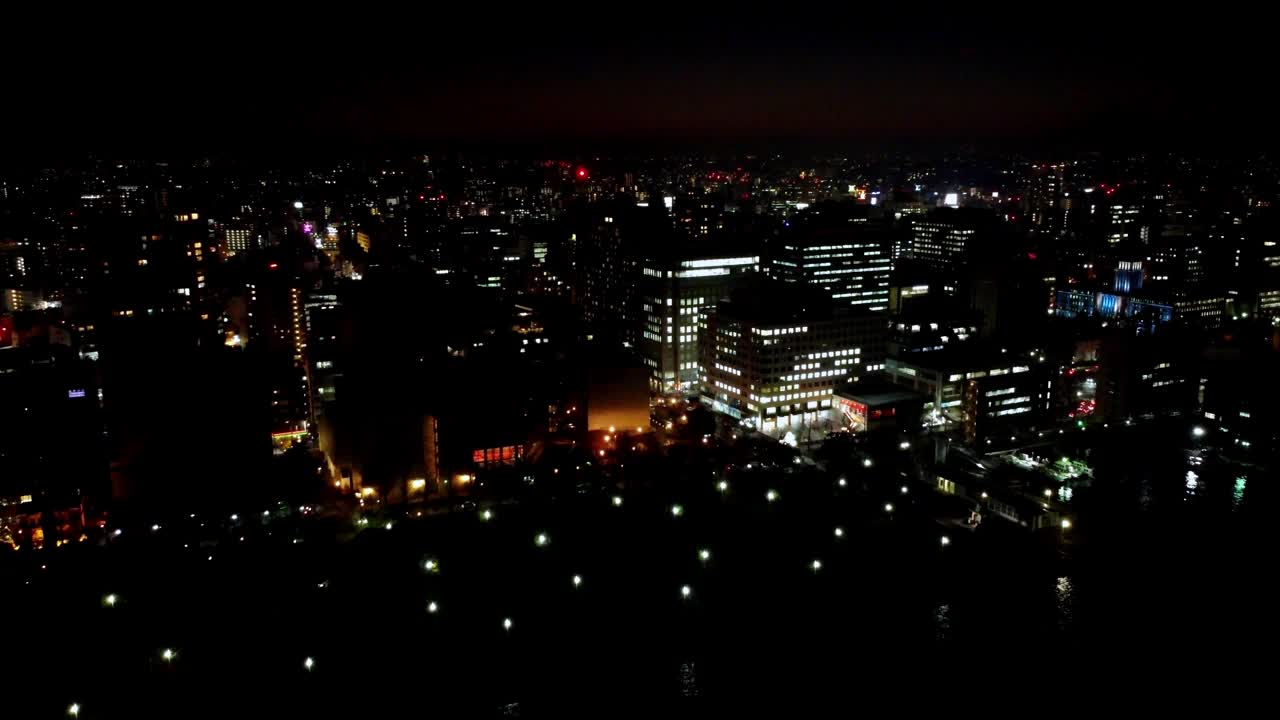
<point x="878" y="392"/>
<point x="966" y="356"/>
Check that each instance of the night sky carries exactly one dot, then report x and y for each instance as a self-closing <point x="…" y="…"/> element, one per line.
<point x="301" y="79"/>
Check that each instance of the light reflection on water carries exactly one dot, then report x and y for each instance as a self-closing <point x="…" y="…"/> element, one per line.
<point x="1237" y="492"/>
<point x="1065" y="604"/>
<point x="688" y="679"/>
<point x="942" y="623"/>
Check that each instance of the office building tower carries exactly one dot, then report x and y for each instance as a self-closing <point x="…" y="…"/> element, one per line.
<point x="837" y="250"/>
<point x="676" y="293"/>
<point x="944" y="239"/>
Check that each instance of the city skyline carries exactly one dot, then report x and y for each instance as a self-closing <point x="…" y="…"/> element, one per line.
<point x="555" y="363"/>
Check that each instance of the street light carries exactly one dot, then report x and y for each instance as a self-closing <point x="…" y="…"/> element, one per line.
<point x="676" y="511"/>
<point x="839" y="532"/>
<point x="506" y="624"/>
<point x="432" y="607"/>
<point x="903" y="489"/>
<point x="722" y="486"/>
<point x="309" y="663"/>
<point x="866" y="463"/>
<point x="816" y="565"/>
<point x="771" y="496"/>
<point x="73" y="709"/>
<point x="577" y="581"/>
<point x="842" y="482"/>
<point x="704" y="555"/>
<point x="888" y="507"/>
<point x="110" y="600"/>
<point x="1197" y="431"/>
<point x="617" y="501"/>
<point x="1066" y="524"/>
<point x="168" y="655"/>
<point x="944" y="540"/>
<point x="541" y="540"/>
<point x="685" y="591"/>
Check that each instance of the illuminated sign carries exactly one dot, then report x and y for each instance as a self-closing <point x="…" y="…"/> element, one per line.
<point x="77" y="393"/>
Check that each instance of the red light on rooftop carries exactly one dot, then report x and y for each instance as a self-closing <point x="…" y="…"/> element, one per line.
<point x="273" y="266"/>
<point x="581" y="173"/>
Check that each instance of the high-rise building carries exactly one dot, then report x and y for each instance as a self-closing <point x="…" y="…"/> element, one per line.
<point x="324" y="362"/>
<point x="676" y="293"/>
<point x="605" y="252"/>
<point x="1045" y="193"/>
<point x="945" y="238"/>
<point x="838" y="251"/>
<point x="278" y="337"/>
<point x="774" y="355"/>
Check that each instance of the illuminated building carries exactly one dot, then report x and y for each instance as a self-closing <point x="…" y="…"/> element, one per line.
<point x="278" y="335"/>
<point x="980" y="389"/>
<point x="774" y="355"/>
<point x="944" y="239"/>
<point x="698" y="215"/>
<point x="1045" y="193"/>
<point x="324" y="364"/>
<point x="832" y="249"/>
<point x="871" y="406"/>
<point x="1176" y="258"/>
<point x="1122" y="223"/>
<point x="238" y="239"/>
<point x="1145" y="374"/>
<point x="1146" y="309"/>
<point x="924" y="332"/>
<point x="676" y="294"/>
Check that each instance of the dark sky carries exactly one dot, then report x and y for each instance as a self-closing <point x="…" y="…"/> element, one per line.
<point x="227" y="78"/>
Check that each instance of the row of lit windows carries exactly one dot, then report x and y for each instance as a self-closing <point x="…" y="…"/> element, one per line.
<point x="834" y="353"/>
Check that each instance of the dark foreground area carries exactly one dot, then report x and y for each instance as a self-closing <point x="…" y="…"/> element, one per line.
<point x="996" y="620"/>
